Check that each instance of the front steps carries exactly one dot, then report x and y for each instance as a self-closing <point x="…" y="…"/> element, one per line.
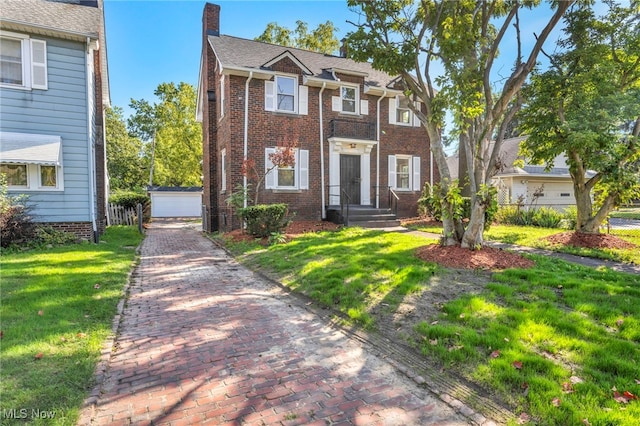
<point x="363" y="216"/>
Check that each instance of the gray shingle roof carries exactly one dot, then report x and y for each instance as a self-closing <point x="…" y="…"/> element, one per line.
<point x="54" y="15"/>
<point x="239" y="52"/>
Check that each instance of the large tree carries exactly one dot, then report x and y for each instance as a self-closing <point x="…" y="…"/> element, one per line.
<point x="322" y="39"/>
<point x="173" y="136"/>
<point x="587" y="107"/>
<point x="445" y="53"/>
<point x="126" y="165"/>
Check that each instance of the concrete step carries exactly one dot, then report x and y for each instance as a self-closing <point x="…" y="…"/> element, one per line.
<point x="383" y="223"/>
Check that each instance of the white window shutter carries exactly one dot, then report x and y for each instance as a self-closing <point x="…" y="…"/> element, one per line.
<point x="269" y="96"/>
<point x="392" y="171"/>
<point x="336" y="103"/>
<point x="416" y="174"/>
<point x="303" y="100"/>
<point x="416" y="120"/>
<point x="39" y="64"/>
<point x="392" y="110"/>
<point x="303" y="168"/>
<point x="270" y="178"/>
<point x="364" y="107"/>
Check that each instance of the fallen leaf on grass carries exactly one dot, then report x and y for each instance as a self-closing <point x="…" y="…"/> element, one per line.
<point x="41" y="312"/>
<point x="629" y="395"/>
<point x="63" y="339"/>
<point x="81" y="335"/>
<point x="619" y="322"/>
<point x="575" y="379"/>
<point x="462" y="315"/>
<point x="556" y="402"/>
<point x="96" y="286"/>
<point x="433" y="342"/>
<point x="455" y="348"/>
<point x="39" y="355"/>
<point x="506" y="339"/>
<point x="517" y="365"/>
<point x="637" y="381"/>
<point x="586" y="422"/>
<point x="523" y="418"/>
<point x="567" y="387"/>
<point x="1" y="334"/>
<point x="619" y="398"/>
<point x="525" y="389"/>
<point x="494" y="354"/>
<point x="434" y="322"/>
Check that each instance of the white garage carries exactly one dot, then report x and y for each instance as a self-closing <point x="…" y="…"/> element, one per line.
<point x="176" y="201"/>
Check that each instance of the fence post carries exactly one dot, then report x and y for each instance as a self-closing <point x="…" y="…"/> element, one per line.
<point x="139" y="207"/>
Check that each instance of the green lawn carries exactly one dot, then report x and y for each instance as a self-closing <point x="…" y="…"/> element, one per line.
<point x="533" y="236"/>
<point x="626" y="213"/>
<point x="560" y="330"/>
<point x="57" y="309"/>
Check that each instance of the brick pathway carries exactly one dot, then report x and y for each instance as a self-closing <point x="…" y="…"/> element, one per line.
<point x="204" y="340"/>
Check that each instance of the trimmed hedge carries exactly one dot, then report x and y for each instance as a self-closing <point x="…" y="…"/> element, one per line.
<point x="264" y="219"/>
<point x="129" y="199"/>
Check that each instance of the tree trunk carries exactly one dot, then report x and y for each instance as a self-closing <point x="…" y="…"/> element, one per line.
<point x="584" y="221"/>
<point x="472" y="238"/>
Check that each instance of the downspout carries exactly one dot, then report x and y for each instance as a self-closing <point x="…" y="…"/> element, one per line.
<point x="384" y="94"/>
<point x="431" y="170"/>
<point x="324" y="211"/>
<point x="90" y="148"/>
<point x="246" y="133"/>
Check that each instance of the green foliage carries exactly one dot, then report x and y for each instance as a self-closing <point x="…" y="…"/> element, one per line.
<point x="16" y="224"/>
<point x="264" y="219"/>
<point x="587" y="105"/>
<point x="174" y="137"/>
<point x="544" y="217"/>
<point x="237" y="197"/>
<point x="127" y="166"/>
<point x="322" y="39"/>
<point x="430" y="202"/>
<point x="129" y="199"/>
<point x="47" y="236"/>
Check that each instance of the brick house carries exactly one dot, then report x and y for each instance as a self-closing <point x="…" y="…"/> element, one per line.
<point x="357" y="142"/>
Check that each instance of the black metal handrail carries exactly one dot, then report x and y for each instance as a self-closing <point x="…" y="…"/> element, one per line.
<point x="393" y="198"/>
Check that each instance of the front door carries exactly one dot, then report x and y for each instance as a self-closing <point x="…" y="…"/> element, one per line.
<point x="350" y="176"/>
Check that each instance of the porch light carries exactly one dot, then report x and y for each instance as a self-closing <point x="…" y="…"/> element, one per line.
<point x="353" y="146"/>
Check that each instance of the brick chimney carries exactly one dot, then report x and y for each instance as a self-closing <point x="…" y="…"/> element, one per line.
<point x="211" y="19"/>
<point x="343" y="48"/>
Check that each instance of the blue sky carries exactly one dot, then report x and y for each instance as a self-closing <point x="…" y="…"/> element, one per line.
<point x="151" y="42"/>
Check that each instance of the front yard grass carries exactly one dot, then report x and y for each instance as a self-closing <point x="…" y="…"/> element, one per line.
<point x="533" y="236"/>
<point x="553" y="341"/>
<point x="626" y="213"/>
<point x="57" y="309"/>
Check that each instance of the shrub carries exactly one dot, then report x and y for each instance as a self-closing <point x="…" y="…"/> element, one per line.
<point x="129" y="199"/>
<point x="570" y="217"/>
<point x="16" y="224"/>
<point x="430" y="203"/>
<point x="547" y="217"/>
<point x="264" y="219"/>
<point x="49" y="236"/>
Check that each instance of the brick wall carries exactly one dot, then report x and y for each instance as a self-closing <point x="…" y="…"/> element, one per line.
<point x="83" y="230"/>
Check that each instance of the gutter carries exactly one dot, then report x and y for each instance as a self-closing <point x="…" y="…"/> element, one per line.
<point x="246" y="132"/>
<point x="91" y="148"/>
<point x="324" y="211"/>
<point x="384" y="94"/>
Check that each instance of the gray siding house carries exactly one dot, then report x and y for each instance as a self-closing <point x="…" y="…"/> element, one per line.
<point x="53" y="91"/>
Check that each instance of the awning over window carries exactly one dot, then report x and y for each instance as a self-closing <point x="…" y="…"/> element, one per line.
<point x="28" y="148"/>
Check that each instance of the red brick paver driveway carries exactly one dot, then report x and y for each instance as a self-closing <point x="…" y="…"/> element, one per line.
<point x="204" y="340"/>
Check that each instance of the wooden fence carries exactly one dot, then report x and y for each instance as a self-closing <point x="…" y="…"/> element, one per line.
<point x="119" y="215"/>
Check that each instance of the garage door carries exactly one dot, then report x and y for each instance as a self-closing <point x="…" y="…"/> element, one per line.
<point x="176" y="204"/>
<point x="555" y="193"/>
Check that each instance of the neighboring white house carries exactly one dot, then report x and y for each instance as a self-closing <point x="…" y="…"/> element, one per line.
<point x="519" y="178"/>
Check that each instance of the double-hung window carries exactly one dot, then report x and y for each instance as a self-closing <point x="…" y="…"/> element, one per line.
<point x="286" y="93"/>
<point x="349" y="98"/>
<point x="283" y="94"/>
<point x="403" y="113"/>
<point x="23" y="61"/>
<point x="404" y="172"/>
<point x="291" y="176"/>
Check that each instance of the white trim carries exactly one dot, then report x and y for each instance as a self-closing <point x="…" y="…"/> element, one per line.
<point x="25" y="49"/>
<point x="288" y="54"/>
<point x="223" y="169"/>
<point x="222" y="96"/>
<point x="300" y="170"/>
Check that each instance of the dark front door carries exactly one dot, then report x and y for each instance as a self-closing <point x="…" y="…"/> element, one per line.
<point x="350" y="176"/>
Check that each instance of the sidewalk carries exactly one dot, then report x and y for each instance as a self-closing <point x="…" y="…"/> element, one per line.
<point x="203" y="340"/>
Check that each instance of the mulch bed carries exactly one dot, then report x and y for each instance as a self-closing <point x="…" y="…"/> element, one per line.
<point x="486" y="258"/>
<point x="578" y="239"/>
